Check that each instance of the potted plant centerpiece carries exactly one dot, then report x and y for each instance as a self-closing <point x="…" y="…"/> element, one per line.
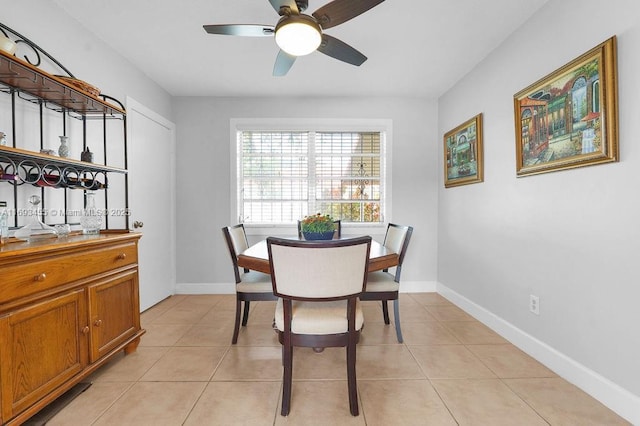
<point x="317" y="227"/>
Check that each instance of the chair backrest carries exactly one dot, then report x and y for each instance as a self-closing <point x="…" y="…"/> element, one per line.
<point x="336" y="234"/>
<point x="397" y="239"/>
<point x="236" y="239"/>
<point x="331" y="270"/>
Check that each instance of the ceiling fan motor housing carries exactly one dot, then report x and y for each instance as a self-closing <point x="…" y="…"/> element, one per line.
<point x="304" y="19"/>
<point x="302" y="5"/>
<point x="298" y="35"/>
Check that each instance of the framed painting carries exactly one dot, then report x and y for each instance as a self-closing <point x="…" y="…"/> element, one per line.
<point x="569" y="118"/>
<point x="463" y="162"/>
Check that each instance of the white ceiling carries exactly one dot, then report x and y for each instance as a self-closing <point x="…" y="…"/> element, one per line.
<point x="415" y="47"/>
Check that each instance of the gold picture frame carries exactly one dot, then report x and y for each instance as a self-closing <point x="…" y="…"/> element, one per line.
<point x="569" y="118"/>
<point x="463" y="158"/>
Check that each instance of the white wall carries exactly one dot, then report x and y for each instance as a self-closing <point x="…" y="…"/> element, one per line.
<point x="82" y="53"/>
<point x="570" y="237"/>
<point x="203" y="165"/>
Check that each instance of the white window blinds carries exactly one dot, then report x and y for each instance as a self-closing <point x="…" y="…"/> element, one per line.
<point x="284" y="176"/>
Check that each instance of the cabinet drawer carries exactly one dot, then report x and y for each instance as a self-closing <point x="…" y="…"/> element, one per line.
<point x="21" y="280"/>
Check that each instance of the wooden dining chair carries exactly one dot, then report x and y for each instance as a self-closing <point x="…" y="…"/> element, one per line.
<point x="318" y="284"/>
<point x="384" y="286"/>
<point x="336" y="234"/>
<point x="250" y="285"/>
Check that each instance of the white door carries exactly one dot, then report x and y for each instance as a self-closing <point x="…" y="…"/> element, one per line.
<point x="151" y="148"/>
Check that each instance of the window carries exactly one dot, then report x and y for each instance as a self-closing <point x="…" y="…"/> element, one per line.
<point x="329" y="168"/>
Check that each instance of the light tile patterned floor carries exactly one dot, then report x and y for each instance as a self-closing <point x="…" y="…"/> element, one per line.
<point x="450" y="370"/>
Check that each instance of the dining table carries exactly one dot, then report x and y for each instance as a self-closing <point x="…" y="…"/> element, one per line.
<point x="256" y="257"/>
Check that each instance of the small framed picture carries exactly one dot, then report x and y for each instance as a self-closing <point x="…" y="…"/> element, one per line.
<point x="463" y="163"/>
<point x="569" y="118"/>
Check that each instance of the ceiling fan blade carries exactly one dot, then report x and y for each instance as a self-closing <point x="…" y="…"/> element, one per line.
<point x="340" y="50"/>
<point x="339" y="11"/>
<point x="283" y="64"/>
<point x="246" y="30"/>
<point x="291" y="4"/>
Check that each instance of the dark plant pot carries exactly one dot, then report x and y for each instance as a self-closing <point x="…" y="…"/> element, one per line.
<point x="318" y="235"/>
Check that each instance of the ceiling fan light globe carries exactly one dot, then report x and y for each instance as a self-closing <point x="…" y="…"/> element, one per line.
<point x="298" y="37"/>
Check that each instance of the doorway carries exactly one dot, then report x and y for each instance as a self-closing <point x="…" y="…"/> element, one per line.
<point x="151" y="154"/>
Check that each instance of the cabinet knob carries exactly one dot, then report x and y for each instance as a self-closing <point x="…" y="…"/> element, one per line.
<point x="138" y="224"/>
<point x="40" y="277"/>
<point x="97" y="323"/>
<point x="122" y="256"/>
<point x="85" y="329"/>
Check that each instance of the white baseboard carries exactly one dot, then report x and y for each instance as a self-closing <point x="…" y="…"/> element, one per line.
<point x="229" y="288"/>
<point x="618" y="399"/>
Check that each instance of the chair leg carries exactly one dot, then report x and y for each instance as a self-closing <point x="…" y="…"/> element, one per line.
<point x="245" y="315"/>
<point x="385" y="312"/>
<point x="396" y="319"/>
<point x="236" y="327"/>
<point x="351" y="378"/>
<point x="287" y="379"/>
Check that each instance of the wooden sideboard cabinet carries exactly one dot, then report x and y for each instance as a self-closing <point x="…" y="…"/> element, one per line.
<point x="67" y="305"/>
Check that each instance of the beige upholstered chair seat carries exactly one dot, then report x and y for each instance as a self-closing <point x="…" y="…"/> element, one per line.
<point x="318" y="317"/>
<point x="383" y="286"/>
<point x="381" y="281"/>
<point x="250" y="285"/>
<point x="254" y="281"/>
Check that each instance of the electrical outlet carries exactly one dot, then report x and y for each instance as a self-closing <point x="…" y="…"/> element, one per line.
<point x="534" y="304"/>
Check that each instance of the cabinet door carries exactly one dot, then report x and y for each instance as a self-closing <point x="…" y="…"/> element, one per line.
<point x="114" y="312"/>
<point x="43" y="346"/>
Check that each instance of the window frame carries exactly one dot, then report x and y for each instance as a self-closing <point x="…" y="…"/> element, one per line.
<point x="318" y="125"/>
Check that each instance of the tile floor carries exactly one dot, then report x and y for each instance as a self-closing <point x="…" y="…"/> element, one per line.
<point x="450" y="370"/>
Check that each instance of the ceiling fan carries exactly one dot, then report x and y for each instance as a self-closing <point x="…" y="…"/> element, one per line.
<point x="298" y="34"/>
